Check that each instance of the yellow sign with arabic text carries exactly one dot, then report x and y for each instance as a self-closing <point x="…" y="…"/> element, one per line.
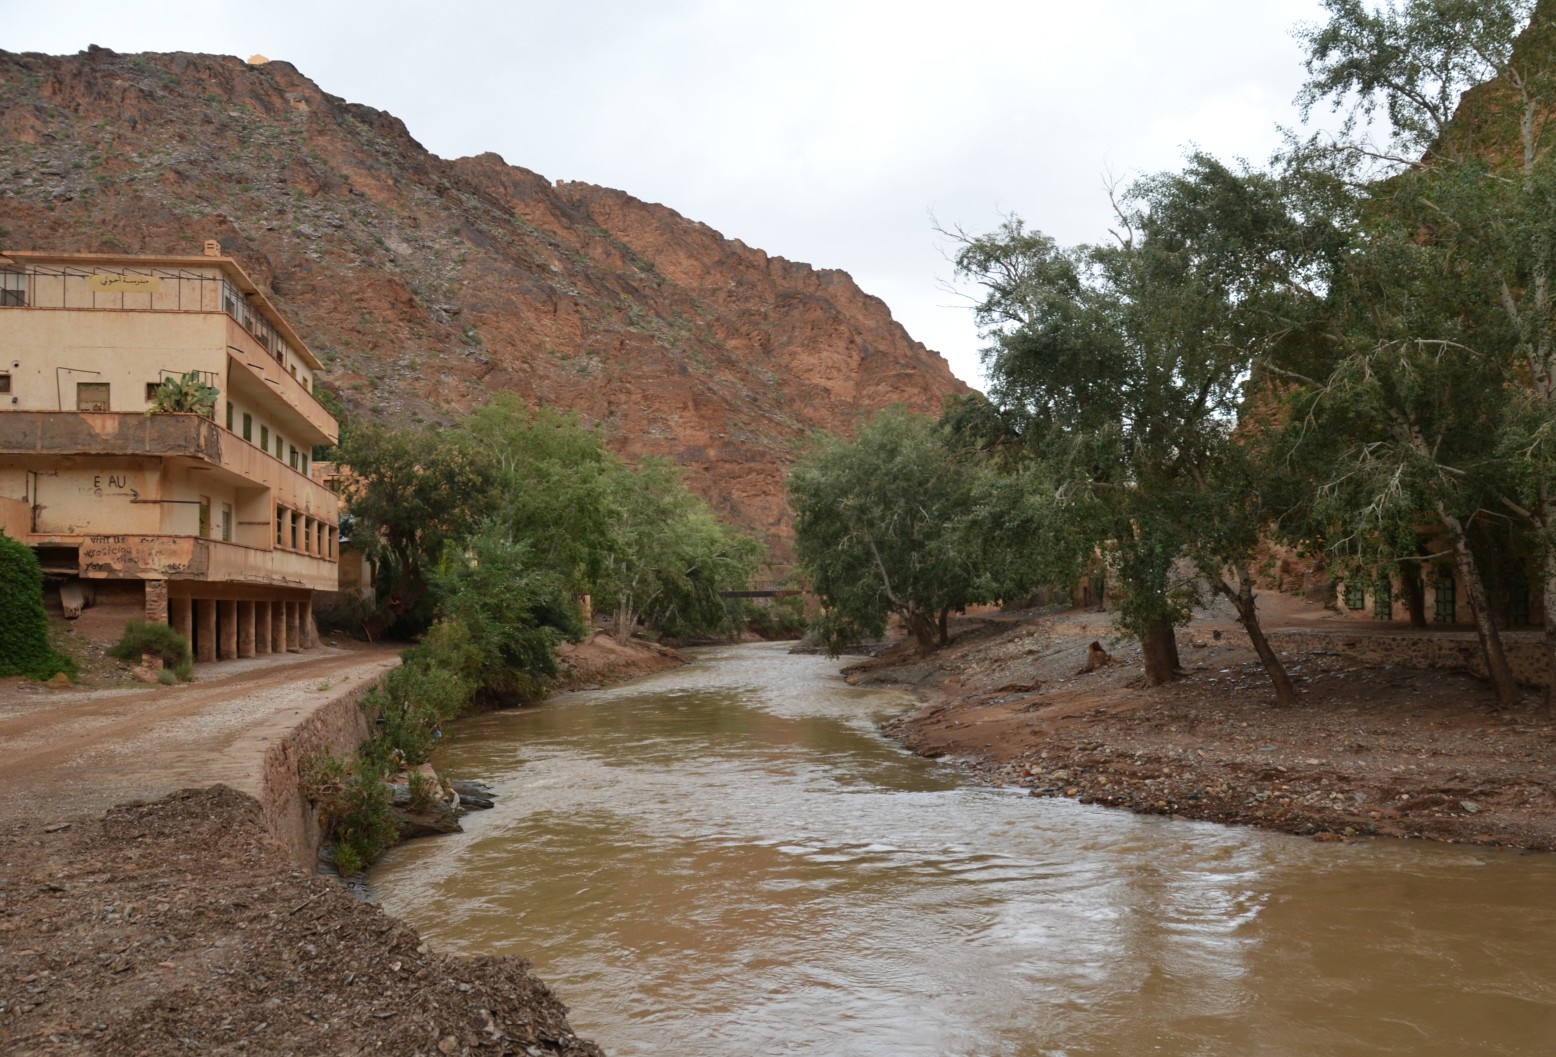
<point x="112" y="282"/>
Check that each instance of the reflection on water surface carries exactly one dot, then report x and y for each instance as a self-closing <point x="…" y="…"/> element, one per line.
<point x="725" y="859"/>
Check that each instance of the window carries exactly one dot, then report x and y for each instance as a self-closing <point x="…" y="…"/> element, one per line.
<point x="13" y="289"/>
<point x="5" y="383"/>
<point x="151" y="391"/>
<point x="248" y="427"/>
<point x="205" y="515"/>
<point x="296" y="517"/>
<point x="308" y="535"/>
<point x="280" y="526"/>
<point x="1443" y="592"/>
<point x="302" y="459"/>
<point x="1518" y="600"/>
<point x="330" y="543"/>
<point x="1383" y="599"/>
<point x="1355" y="596"/>
<point x="264" y="438"/>
<point x="91" y="396"/>
<point x="229" y="416"/>
<point x="226" y="523"/>
<point x="278" y="445"/>
<point x="292" y="460"/>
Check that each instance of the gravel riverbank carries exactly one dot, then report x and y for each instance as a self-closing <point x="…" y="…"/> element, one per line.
<point x="1369" y="750"/>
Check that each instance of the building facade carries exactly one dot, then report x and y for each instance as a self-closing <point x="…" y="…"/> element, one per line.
<point x="208" y="522"/>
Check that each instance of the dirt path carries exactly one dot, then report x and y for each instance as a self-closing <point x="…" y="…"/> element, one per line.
<point x="73" y="752"/>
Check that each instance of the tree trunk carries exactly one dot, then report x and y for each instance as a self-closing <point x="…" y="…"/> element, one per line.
<point x="1548" y="593"/>
<point x="623" y="629"/>
<point x="1159" y="650"/>
<point x="944" y="626"/>
<point x="1414" y="591"/>
<point x="923" y="629"/>
<point x="1491" y="651"/>
<point x="1243" y="601"/>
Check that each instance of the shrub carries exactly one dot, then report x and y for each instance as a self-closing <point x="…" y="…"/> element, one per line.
<point x="353" y="804"/>
<point x="24" y="629"/>
<point x="184" y="395"/>
<point x="143" y="637"/>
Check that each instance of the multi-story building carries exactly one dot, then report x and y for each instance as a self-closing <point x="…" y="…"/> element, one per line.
<point x="208" y="522"/>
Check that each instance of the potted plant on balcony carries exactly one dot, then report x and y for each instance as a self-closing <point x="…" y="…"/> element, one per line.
<point x="186" y="394"/>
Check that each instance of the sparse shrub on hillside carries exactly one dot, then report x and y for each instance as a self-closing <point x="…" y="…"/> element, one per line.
<point x="24" y="641"/>
<point x="142" y="638"/>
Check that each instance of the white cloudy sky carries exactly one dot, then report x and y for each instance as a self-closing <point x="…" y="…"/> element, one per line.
<point x="826" y="131"/>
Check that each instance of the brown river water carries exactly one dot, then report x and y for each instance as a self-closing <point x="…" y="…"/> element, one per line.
<point x="727" y="859"/>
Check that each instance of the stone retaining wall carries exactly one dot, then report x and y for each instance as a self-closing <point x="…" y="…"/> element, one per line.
<point x="338" y="726"/>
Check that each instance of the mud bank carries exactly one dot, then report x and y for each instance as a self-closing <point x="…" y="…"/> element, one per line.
<point x="181" y="925"/>
<point x="1371" y="750"/>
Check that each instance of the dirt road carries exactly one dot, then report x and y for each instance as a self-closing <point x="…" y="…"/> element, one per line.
<point x="74" y="752"/>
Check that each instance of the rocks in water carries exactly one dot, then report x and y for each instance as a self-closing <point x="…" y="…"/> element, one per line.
<point x="474" y="796"/>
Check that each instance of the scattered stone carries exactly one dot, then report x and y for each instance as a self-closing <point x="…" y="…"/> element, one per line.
<point x="1469" y="806"/>
<point x="56" y="827"/>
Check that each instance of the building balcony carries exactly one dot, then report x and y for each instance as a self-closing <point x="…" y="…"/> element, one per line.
<point x="168" y="436"/>
<point x="109" y="433"/>
<point x="258" y="376"/>
<point x="197" y="558"/>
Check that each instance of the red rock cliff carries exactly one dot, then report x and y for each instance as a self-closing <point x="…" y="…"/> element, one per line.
<point x="427" y="285"/>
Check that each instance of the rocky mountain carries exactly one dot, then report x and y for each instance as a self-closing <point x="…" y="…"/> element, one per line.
<point x="427" y="285"/>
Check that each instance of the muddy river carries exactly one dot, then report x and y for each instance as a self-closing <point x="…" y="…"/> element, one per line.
<point x="727" y="859"/>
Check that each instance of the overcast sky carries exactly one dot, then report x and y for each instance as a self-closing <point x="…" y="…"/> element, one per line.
<point x="825" y="131"/>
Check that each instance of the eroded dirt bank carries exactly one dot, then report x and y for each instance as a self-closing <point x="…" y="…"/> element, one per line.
<point x="1369" y="750"/>
<point x="179" y="926"/>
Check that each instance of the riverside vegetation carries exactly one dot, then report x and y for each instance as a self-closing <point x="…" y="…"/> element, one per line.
<point x="486" y="537"/>
<point x="1350" y="351"/>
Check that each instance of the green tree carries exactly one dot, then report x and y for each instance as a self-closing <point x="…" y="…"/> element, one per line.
<point x="1447" y="377"/>
<point x="1125" y="367"/>
<point x="24" y="627"/>
<point x="513" y="612"/>
<point x="554" y="486"/>
<point x="671" y="557"/>
<point x="881" y="526"/>
<point x="411" y="494"/>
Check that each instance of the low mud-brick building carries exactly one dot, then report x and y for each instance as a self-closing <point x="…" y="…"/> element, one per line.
<point x="207" y="521"/>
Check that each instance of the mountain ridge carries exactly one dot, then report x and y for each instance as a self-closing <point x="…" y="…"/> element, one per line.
<point x="428" y="284"/>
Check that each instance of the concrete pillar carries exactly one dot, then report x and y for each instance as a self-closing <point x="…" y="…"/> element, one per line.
<point x="261" y="628"/>
<point x="227" y="620"/>
<point x="156" y="602"/>
<point x="278" y="627"/>
<point x="245" y="629"/>
<point x="310" y="631"/>
<point x="293" y="632"/>
<point x="205" y="622"/>
<point x="181" y="616"/>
